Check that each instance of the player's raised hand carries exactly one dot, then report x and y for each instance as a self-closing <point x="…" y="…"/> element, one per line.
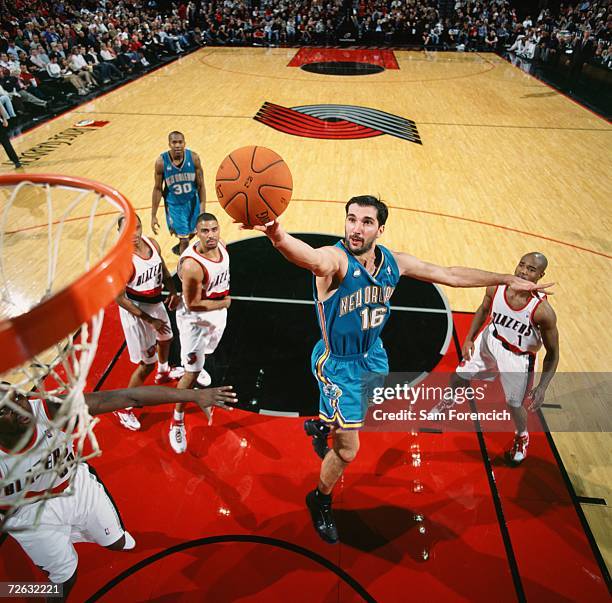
<point x="214" y="396"/>
<point x="154" y="224"/>
<point x="520" y="284"/>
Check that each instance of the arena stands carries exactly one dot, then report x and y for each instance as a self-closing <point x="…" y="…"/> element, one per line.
<point x="55" y="54"/>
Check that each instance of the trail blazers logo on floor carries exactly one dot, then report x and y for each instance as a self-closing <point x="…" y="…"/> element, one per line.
<point x="64" y="138"/>
<point x="338" y="122"/>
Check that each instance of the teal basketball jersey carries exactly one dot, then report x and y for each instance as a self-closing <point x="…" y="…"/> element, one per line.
<point x="180" y="181"/>
<point x="352" y="319"/>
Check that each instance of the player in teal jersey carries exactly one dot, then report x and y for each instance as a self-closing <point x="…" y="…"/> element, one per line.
<point x="179" y="172"/>
<point x="353" y="282"/>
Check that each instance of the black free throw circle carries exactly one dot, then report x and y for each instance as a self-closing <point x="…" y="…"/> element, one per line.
<point x="342" y="68"/>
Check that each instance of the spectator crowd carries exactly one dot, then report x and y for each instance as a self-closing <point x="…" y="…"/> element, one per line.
<point x="583" y="32"/>
<point x="54" y="52"/>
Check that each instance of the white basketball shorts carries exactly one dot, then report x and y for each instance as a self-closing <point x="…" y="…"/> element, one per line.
<point x="491" y="359"/>
<point x="200" y="334"/>
<point x="88" y="515"/>
<point x="140" y="336"/>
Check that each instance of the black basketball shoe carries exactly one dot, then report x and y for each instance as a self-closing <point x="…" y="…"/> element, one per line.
<point x="319" y="433"/>
<point x="322" y="517"/>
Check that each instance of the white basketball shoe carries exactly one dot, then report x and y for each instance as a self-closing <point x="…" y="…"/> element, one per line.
<point x="178" y="437"/>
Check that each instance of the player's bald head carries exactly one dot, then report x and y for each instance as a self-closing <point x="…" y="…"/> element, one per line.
<point x="537" y="259"/>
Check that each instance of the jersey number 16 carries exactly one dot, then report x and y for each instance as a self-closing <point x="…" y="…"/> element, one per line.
<point x="372" y="317"/>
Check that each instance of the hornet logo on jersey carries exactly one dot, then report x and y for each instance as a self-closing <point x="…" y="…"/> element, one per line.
<point x="338" y="122"/>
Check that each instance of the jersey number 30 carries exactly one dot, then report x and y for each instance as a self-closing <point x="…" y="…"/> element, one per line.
<point x="372" y="318"/>
<point x="182" y="187"/>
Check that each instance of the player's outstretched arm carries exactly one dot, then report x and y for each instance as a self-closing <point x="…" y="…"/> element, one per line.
<point x="324" y="261"/>
<point x="152" y="395"/>
<point x="157" y="193"/>
<point x="459" y="276"/>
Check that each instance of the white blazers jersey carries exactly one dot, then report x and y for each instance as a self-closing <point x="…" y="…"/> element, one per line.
<point x="515" y="328"/>
<point x="145" y="284"/>
<point x="216" y="283"/>
<point x="21" y="468"/>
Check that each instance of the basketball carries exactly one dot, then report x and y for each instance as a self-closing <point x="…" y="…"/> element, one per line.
<point x="254" y="185"/>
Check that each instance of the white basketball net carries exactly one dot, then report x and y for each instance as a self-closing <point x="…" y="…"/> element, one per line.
<point x="49" y="236"/>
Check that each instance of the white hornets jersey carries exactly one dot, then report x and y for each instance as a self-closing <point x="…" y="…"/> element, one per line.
<point x="146" y="282"/>
<point x="515" y="328"/>
<point x="47" y="449"/>
<point x="216" y="281"/>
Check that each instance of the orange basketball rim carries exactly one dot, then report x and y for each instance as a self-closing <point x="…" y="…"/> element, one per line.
<point x="30" y="333"/>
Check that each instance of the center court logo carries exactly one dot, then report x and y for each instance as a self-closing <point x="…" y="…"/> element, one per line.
<point x="338" y="122"/>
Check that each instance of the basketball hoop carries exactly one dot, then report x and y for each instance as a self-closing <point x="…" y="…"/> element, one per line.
<point x="51" y="312"/>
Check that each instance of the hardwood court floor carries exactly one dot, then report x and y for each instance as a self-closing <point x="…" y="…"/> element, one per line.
<point x="506" y="166"/>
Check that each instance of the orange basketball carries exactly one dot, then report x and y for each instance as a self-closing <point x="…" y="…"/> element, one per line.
<point x="254" y="185"/>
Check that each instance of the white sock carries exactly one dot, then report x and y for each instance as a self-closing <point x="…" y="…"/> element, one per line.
<point x="130" y="543"/>
<point x="163" y="367"/>
<point x="179" y="416"/>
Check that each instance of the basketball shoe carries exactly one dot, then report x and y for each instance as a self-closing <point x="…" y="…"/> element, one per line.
<point x="127" y="419"/>
<point x="129" y="542"/>
<point x="442" y="406"/>
<point x="204" y="379"/>
<point x="178" y="437"/>
<point x="322" y="516"/>
<point x="518" y="451"/>
<point x="319" y="433"/>
<point x="175" y="373"/>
